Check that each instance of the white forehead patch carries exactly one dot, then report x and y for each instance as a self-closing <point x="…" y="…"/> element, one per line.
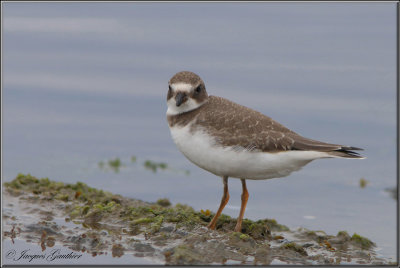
<point x="182" y="87"/>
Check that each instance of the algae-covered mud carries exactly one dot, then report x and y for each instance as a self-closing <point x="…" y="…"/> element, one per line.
<point x="95" y="223"/>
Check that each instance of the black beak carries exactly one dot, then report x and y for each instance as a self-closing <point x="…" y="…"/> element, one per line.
<point x="180" y="98"/>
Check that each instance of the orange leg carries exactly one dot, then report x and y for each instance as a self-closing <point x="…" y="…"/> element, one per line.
<point x="224" y="201"/>
<point x="245" y="197"/>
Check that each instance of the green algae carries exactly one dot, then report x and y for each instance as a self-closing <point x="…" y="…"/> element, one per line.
<point x="363" y="183"/>
<point x="91" y="206"/>
<point x="184" y="216"/>
<point x="160" y="222"/>
<point x="243" y="243"/>
<point x="154" y="166"/>
<point x="273" y="225"/>
<point x="261" y="229"/>
<point x="62" y="197"/>
<point x="343" y="235"/>
<point x="356" y="240"/>
<point x="295" y="247"/>
<point x="23" y="181"/>
<point x="143" y="220"/>
<point x="164" y="202"/>
<point x="115" y="164"/>
<point x="361" y="241"/>
<point x="111" y="164"/>
<point x="156" y="225"/>
<point x="244" y="237"/>
<point x="184" y="255"/>
<point x="109" y="206"/>
<point x="318" y="236"/>
<point x="258" y="229"/>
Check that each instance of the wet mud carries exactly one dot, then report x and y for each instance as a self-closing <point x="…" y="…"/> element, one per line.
<point x="96" y="222"/>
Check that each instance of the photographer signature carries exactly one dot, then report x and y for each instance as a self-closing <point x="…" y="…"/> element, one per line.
<point x="55" y="254"/>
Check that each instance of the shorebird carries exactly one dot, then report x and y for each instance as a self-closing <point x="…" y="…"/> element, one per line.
<point x="231" y="140"/>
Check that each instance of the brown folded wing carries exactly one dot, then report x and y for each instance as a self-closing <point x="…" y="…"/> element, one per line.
<point x="235" y="125"/>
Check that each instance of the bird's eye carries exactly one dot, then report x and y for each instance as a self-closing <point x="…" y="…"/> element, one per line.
<point x="169" y="88"/>
<point x="198" y="89"/>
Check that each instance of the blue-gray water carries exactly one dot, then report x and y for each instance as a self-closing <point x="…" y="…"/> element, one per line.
<point x="87" y="82"/>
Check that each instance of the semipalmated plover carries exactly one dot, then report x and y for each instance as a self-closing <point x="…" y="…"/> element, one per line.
<point x="230" y="140"/>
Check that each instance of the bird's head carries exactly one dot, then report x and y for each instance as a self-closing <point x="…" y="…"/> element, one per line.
<point x="186" y="92"/>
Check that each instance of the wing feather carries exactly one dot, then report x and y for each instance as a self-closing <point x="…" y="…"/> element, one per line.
<point x="245" y="129"/>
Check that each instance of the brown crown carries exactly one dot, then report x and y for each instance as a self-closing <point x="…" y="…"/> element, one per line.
<point x="186" y="77"/>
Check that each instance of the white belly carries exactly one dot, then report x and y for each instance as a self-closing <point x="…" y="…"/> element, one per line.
<point x="200" y="148"/>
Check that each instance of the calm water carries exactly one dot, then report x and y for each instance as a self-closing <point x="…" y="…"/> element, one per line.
<point x="85" y="83"/>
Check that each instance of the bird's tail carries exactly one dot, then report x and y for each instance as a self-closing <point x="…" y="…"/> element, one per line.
<point x="332" y="150"/>
<point x="347" y="152"/>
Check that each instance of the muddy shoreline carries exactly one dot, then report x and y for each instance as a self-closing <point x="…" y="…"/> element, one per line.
<point x="92" y="221"/>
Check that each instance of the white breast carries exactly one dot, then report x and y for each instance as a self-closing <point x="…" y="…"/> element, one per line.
<point x="201" y="149"/>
